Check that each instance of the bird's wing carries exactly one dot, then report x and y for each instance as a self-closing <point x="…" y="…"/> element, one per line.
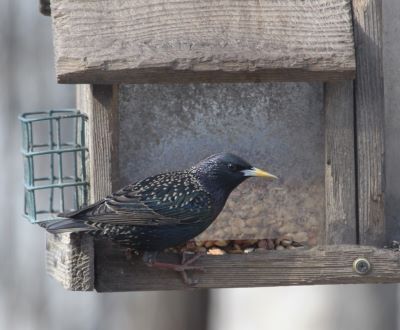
<point x="150" y="203"/>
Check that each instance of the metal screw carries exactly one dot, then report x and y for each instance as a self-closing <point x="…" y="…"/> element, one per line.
<point x="361" y="266"/>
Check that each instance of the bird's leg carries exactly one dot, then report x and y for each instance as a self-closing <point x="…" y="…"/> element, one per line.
<point x="194" y="256"/>
<point x="186" y="264"/>
<point x="150" y="259"/>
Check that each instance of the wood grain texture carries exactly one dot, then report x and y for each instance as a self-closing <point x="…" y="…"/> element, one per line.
<point x="369" y="104"/>
<point x="115" y="41"/>
<point x="103" y="140"/>
<point x="340" y="192"/>
<point x="320" y="265"/>
<point x="69" y="260"/>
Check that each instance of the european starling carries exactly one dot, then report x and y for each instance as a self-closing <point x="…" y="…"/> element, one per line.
<point x="164" y="210"/>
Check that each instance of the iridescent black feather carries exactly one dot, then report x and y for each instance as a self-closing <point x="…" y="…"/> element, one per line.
<point x="162" y="210"/>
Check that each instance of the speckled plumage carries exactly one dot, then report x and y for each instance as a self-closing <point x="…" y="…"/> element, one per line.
<point x="162" y="210"/>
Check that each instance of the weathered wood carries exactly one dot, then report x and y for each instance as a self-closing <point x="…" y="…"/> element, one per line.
<point x="340" y="193"/>
<point x="115" y="41"/>
<point x="103" y="140"/>
<point x="69" y="260"/>
<point x="320" y="265"/>
<point x="391" y="69"/>
<point x="369" y="105"/>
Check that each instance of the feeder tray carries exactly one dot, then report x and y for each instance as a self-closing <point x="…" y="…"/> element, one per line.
<point x="61" y="153"/>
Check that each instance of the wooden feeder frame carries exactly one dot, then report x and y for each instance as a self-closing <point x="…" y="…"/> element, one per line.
<point x="355" y="226"/>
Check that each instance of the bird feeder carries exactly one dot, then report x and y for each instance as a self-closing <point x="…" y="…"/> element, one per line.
<point x="293" y="86"/>
<point x="53" y="152"/>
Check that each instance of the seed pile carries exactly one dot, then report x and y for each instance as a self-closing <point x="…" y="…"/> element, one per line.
<point x="221" y="247"/>
<point x="254" y="212"/>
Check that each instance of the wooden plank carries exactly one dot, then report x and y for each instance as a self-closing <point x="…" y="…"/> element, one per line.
<point x="115" y="41"/>
<point x="69" y="260"/>
<point x="391" y="71"/>
<point x="340" y="192"/>
<point x="369" y="104"/>
<point x="103" y="140"/>
<point x="320" y="265"/>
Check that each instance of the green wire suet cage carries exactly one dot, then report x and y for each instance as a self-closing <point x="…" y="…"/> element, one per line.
<point x="54" y="150"/>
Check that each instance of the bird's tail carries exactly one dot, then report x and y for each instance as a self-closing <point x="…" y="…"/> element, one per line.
<point x="65" y="226"/>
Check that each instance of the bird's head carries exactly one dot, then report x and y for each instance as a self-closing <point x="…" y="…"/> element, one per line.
<point x="227" y="171"/>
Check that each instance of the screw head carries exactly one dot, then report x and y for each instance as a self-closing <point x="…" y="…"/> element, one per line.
<point x="361" y="266"/>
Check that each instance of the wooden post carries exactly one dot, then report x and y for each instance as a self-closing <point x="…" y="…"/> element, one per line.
<point x="369" y="112"/>
<point x="100" y="102"/>
<point x="340" y="198"/>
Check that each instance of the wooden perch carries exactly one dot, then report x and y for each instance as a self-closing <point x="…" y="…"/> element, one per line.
<point x="320" y="265"/>
<point x="142" y="41"/>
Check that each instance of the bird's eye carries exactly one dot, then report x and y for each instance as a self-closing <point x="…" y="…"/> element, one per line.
<point x="232" y="167"/>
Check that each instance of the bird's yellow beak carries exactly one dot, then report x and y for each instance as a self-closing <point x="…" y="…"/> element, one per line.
<point x="254" y="171"/>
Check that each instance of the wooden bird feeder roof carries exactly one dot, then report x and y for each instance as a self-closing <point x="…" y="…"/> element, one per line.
<point x="115" y="41"/>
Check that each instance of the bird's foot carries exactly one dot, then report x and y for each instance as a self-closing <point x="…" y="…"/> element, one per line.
<point x="186" y="264"/>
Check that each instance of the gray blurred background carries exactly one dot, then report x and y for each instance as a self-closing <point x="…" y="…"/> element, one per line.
<point x="29" y="299"/>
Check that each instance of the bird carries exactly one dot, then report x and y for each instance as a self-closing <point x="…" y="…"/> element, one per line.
<point x="163" y="210"/>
